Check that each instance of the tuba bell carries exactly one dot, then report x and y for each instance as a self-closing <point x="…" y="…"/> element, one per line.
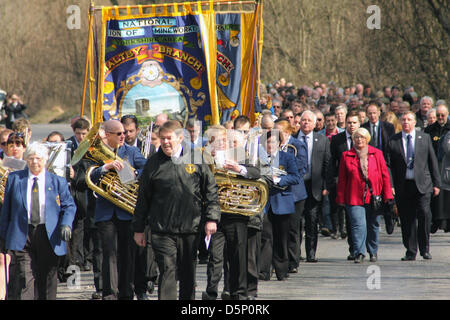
<point x="4" y="172"/>
<point x="238" y="195"/>
<point x="110" y="186"/>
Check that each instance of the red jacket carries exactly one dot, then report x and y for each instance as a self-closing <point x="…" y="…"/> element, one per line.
<point x="351" y="184"/>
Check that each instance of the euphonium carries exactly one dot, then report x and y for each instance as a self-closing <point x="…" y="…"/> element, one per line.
<point x="110" y="186"/>
<point x="4" y="172"/>
<point x="239" y="195"/>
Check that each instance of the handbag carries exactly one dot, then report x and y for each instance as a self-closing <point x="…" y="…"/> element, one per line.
<point x="376" y="201"/>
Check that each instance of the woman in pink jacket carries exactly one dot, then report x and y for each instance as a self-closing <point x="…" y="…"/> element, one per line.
<point x="361" y="166"/>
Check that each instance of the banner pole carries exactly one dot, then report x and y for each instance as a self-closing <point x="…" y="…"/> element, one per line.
<point x="88" y="59"/>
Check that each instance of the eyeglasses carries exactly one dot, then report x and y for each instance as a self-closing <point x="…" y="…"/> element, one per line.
<point x="16" y="134"/>
<point x="4" y="143"/>
<point x="117" y="133"/>
<point x="128" y="116"/>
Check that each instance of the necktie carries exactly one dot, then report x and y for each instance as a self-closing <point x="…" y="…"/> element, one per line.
<point x="374" y="135"/>
<point x="35" y="216"/>
<point x="307" y="148"/>
<point x="409" y="152"/>
<point x="351" y="142"/>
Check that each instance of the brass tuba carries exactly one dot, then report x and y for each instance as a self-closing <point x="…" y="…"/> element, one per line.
<point x="4" y="172"/>
<point x="239" y="195"/>
<point x="110" y="186"/>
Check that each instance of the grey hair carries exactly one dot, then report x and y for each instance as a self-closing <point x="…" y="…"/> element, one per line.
<point x="440" y="102"/>
<point x="38" y="149"/>
<point x="312" y="114"/>
<point x="339" y="107"/>
<point x="431" y="111"/>
<point x="426" y="98"/>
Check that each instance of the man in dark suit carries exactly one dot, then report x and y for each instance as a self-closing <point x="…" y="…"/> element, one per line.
<point x="113" y="222"/>
<point x="415" y="173"/>
<point x="426" y="103"/>
<point x="35" y="224"/>
<point x="339" y="144"/>
<point x="380" y="131"/>
<point x="315" y="179"/>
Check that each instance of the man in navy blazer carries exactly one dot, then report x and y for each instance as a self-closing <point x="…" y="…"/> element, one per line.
<point x="279" y="207"/>
<point x="113" y="222"/>
<point x="35" y="223"/>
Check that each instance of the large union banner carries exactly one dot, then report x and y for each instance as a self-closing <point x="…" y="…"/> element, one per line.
<point x="160" y="63"/>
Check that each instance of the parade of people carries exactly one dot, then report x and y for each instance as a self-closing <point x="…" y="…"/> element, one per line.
<point x="168" y="176"/>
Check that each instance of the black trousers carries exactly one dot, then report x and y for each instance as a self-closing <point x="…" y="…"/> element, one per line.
<point x="295" y="235"/>
<point x="253" y="254"/>
<point x="176" y="255"/>
<point x="76" y="242"/>
<point x="311" y="213"/>
<point x="33" y="271"/>
<point x="229" y="247"/>
<point x="118" y="259"/>
<point x="145" y="265"/>
<point x="415" y="218"/>
<point x="274" y="245"/>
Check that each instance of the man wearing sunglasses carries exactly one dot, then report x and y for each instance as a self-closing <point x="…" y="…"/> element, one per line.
<point x="3" y="141"/>
<point x="113" y="222"/>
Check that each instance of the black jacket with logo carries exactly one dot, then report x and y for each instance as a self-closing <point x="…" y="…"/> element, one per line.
<point x="175" y="195"/>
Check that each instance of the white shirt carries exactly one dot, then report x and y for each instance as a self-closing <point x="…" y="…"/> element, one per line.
<point x="41" y="184"/>
<point x="409" y="172"/>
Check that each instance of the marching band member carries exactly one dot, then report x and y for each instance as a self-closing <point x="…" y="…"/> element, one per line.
<point x="300" y="151"/>
<point x="278" y="209"/>
<point x="229" y="243"/>
<point x="113" y="222"/>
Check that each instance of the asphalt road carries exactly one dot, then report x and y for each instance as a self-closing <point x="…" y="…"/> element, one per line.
<point x="335" y="278"/>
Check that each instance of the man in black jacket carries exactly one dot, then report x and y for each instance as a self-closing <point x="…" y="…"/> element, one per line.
<point x="174" y="195"/>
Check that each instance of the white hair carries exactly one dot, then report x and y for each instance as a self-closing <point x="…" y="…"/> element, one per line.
<point x="38" y="149"/>
<point x="339" y="107"/>
<point x="432" y="110"/>
<point x="312" y="114"/>
<point x="426" y="98"/>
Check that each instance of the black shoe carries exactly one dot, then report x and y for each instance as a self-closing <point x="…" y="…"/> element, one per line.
<point x="141" y="296"/>
<point x="408" y="258"/>
<point x="434" y="227"/>
<point x="373" y="258"/>
<point x="350" y="257"/>
<point x="97" y="295"/>
<point x="263" y="277"/>
<point x="302" y="258"/>
<point x="359" y="258"/>
<point x="206" y="296"/>
<point x="225" y="295"/>
<point x="293" y="270"/>
<point x="325" y="232"/>
<point x="427" y="256"/>
<point x="312" y="259"/>
<point x="343" y="235"/>
<point x="150" y="287"/>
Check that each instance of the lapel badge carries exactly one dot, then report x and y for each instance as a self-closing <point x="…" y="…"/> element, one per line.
<point x="281" y="167"/>
<point x="190" y="168"/>
<point x="436" y="138"/>
<point x="58" y="201"/>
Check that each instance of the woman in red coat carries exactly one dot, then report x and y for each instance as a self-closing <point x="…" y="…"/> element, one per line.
<point x="361" y="163"/>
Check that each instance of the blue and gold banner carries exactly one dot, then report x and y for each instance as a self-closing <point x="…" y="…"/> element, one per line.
<point x="236" y="64"/>
<point x="160" y="63"/>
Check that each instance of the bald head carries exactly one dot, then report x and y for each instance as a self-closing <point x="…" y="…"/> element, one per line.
<point x="115" y="133"/>
<point x="161" y="119"/>
<point x="267" y="122"/>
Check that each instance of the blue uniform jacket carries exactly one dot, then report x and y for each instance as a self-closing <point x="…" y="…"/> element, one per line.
<point x="301" y="160"/>
<point x="105" y="209"/>
<point x="282" y="201"/>
<point x="59" y="210"/>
